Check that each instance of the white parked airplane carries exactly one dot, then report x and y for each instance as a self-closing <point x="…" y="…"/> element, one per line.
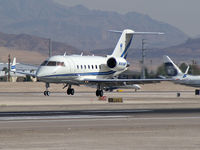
<point x="91" y="70"/>
<point x="22" y="67"/>
<point x="179" y="77"/>
<point x="136" y="87"/>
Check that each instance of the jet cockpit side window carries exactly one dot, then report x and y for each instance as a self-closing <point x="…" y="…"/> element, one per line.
<point x="51" y="63"/>
<point x="44" y="63"/>
<point x="60" y="64"/>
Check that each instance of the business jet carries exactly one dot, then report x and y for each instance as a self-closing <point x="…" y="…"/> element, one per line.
<point x="91" y="70"/>
<point x="179" y="77"/>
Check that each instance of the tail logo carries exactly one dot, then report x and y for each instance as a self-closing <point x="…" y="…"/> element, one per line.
<point x="121" y="46"/>
<point x="185" y="75"/>
<point x="13" y="67"/>
<point x="170" y="70"/>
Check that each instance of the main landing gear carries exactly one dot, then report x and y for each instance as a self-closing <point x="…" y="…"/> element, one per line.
<point x="99" y="91"/>
<point x="70" y="90"/>
<point x="197" y="92"/>
<point x="47" y="93"/>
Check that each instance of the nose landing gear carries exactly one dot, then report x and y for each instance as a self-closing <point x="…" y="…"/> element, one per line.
<point x="47" y="93"/>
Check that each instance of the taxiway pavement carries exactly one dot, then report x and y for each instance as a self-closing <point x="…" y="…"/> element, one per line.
<point x="177" y="131"/>
<point x="151" y="119"/>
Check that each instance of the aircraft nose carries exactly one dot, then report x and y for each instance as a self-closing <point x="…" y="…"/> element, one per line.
<point x="39" y="73"/>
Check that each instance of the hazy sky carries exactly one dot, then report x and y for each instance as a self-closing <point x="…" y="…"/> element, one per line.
<point x="184" y="14"/>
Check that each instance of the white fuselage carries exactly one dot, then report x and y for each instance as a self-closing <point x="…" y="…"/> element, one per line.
<point x="75" y="68"/>
<point x="188" y="80"/>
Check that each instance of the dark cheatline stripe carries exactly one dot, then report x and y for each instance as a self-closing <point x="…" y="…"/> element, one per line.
<point x="83" y="74"/>
<point x="127" y="47"/>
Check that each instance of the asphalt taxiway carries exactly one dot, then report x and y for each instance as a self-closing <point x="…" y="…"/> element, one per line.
<point x="109" y="131"/>
<point x="36" y="101"/>
<point x="154" y="118"/>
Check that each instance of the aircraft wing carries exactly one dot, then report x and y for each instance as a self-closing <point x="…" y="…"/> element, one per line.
<point x="25" y="73"/>
<point x="128" y="81"/>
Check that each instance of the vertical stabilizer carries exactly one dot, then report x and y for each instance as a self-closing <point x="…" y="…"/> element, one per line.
<point x="13" y="66"/>
<point x="123" y="44"/>
<point x="171" y="68"/>
<point x="121" y="49"/>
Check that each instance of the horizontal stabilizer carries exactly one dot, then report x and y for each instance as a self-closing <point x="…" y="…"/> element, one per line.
<point x="151" y="33"/>
<point x="139" y="33"/>
<point x="121" y="49"/>
<point x="115" y="31"/>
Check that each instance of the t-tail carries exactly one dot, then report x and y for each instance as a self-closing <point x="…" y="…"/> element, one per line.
<point x="172" y="69"/>
<point x="121" y="49"/>
<point x="13" y="66"/>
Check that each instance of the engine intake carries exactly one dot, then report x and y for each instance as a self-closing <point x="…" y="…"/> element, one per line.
<point x="116" y="63"/>
<point x="111" y="63"/>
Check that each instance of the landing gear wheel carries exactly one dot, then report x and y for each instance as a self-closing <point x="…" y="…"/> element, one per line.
<point x="70" y="91"/>
<point x="99" y="93"/>
<point x="46" y="93"/>
<point x="197" y="92"/>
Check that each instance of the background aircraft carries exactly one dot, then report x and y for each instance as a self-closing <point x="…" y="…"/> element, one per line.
<point x="23" y="68"/>
<point x="179" y="77"/>
<point x="125" y="86"/>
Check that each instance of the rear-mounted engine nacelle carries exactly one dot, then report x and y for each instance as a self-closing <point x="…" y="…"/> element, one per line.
<point x="116" y="63"/>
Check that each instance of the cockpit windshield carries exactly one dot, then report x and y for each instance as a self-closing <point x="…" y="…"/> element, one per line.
<point x="44" y="63"/>
<point x="53" y="63"/>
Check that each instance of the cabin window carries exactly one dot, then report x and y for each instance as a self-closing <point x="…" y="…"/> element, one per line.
<point x="96" y="66"/>
<point x="92" y="67"/>
<point x="85" y="66"/>
<point x="60" y="63"/>
<point x="77" y="66"/>
<point x="88" y="66"/>
<point x="81" y="67"/>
